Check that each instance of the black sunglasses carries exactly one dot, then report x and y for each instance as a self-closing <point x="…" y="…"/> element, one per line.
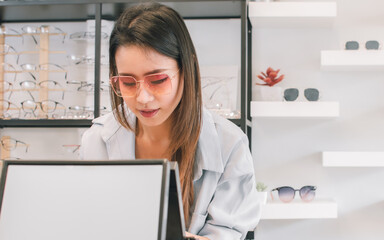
<point x="287" y="194"/>
<point x="311" y="94"/>
<point x="369" y="45"/>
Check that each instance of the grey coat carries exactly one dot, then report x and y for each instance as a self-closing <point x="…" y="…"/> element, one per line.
<point x="226" y="205"/>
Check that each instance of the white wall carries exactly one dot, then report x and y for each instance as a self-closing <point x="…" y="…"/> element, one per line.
<point x="288" y="151"/>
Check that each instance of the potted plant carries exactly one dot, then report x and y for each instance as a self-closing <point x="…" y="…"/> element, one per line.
<point x="268" y="91"/>
<point x="263" y="194"/>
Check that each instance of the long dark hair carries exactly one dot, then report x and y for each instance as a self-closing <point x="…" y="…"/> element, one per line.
<point x="158" y="27"/>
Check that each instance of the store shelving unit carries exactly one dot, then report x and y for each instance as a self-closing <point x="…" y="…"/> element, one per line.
<point x="295" y="15"/>
<point x="82" y="10"/>
<point x="292" y="14"/>
<point x="260" y="109"/>
<point x="353" y="159"/>
<point x="297" y="209"/>
<point x="352" y="60"/>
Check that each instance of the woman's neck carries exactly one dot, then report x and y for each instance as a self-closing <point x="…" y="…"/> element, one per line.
<point x="154" y="133"/>
<point x="153" y="141"/>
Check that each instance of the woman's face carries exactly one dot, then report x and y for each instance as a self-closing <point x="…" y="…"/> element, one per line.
<point x="150" y="108"/>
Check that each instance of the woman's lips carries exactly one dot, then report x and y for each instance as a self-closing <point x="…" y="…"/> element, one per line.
<point x="148" y="112"/>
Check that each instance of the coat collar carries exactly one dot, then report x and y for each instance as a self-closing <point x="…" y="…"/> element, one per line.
<point x="120" y="142"/>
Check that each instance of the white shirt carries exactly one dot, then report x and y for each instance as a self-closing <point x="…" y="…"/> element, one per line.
<point x="226" y="205"/>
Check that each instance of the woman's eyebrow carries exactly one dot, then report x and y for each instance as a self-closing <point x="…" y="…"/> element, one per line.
<point x="145" y="74"/>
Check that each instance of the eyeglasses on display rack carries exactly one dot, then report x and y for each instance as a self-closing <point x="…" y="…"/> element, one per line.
<point x="157" y="84"/>
<point x="35" y="30"/>
<point x="311" y="94"/>
<point x="369" y="45"/>
<point x="9" y="31"/>
<point x="210" y="87"/>
<point x="88" y="87"/>
<point x="87" y="60"/>
<point x="9" y="110"/>
<point x="71" y="147"/>
<point x="50" y="67"/>
<point x="9" y="68"/>
<point x="10" y="144"/>
<point x="7" y="87"/>
<point x="287" y="194"/>
<point x="82" y="112"/>
<point x="47" y="106"/>
<point x="50" y="85"/>
<point x="9" y="50"/>
<point x="87" y="35"/>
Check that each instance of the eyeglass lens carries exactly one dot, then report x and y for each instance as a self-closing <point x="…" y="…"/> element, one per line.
<point x="291" y="94"/>
<point x="126" y="86"/>
<point x="351" y="45"/>
<point x="47" y="106"/>
<point x="311" y="94"/>
<point x="372" y="45"/>
<point x="307" y="193"/>
<point x="287" y="194"/>
<point x="9" y="144"/>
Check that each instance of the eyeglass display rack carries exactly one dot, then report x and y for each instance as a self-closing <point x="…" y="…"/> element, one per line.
<point x="43" y="72"/>
<point x="81" y="10"/>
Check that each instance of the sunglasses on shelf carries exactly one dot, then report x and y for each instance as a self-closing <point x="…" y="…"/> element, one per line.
<point x="311" y="94"/>
<point x="369" y="45"/>
<point x="287" y="194"/>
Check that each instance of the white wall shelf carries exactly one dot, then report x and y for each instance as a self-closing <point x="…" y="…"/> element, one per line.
<point x="292" y="14"/>
<point x="297" y="209"/>
<point x="353" y="159"/>
<point x="352" y="60"/>
<point x="295" y="109"/>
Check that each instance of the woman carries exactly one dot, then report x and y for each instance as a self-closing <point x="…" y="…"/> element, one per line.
<point x="157" y="113"/>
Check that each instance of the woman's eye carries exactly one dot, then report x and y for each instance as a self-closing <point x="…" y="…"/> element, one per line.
<point x="157" y="82"/>
<point x="129" y="84"/>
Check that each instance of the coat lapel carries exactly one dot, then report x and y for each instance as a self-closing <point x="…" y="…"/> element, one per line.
<point x="120" y="142"/>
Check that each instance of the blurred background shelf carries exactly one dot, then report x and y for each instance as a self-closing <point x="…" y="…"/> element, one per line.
<point x="292" y="14"/>
<point x="297" y="209"/>
<point x="352" y="60"/>
<point x="353" y="159"/>
<point x="262" y="109"/>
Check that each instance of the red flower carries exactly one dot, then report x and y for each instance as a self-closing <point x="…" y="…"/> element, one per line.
<point x="270" y="77"/>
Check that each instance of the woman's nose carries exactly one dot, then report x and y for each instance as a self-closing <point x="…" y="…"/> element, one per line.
<point x="143" y="95"/>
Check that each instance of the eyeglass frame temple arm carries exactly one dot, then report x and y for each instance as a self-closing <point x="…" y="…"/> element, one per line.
<point x="26" y="145"/>
<point x="275" y="189"/>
